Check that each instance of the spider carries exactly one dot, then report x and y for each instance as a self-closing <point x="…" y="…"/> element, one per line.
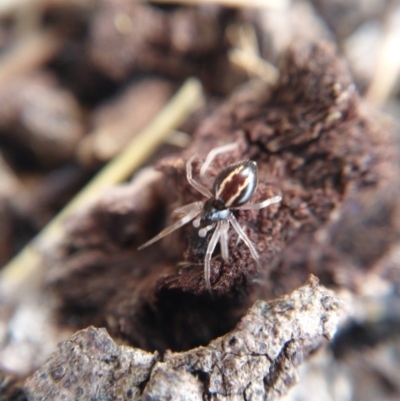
<point x="232" y="189"/>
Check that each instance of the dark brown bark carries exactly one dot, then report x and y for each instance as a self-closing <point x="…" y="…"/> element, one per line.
<point x="256" y="360"/>
<point x="335" y="168"/>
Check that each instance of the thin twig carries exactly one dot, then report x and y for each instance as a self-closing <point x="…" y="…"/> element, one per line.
<point x="254" y="65"/>
<point x="187" y="100"/>
<point x="245" y="53"/>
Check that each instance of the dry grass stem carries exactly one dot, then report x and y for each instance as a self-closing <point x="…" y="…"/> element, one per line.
<point x="188" y="99"/>
<point x="245" y="53"/>
<point x="244" y="37"/>
<point x="254" y="65"/>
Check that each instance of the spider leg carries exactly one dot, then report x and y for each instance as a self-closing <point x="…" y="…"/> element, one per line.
<point x="261" y="205"/>
<point x="245" y="238"/>
<point x="194" y="212"/>
<point x="223" y="241"/>
<point x="186" y="208"/>
<point x="215" y="152"/>
<point x="207" y="260"/>
<point x="257" y="206"/>
<point x="238" y="241"/>
<point x="202" y="189"/>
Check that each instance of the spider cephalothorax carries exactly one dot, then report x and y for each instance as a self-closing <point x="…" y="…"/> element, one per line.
<point x="233" y="187"/>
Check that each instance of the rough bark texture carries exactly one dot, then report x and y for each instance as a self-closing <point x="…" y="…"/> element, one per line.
<point x="92" y="76"/>
<point x="335" y="167"/>
<point x="257" y="360"/>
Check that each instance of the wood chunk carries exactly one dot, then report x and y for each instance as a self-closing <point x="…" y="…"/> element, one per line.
<point x="91" y="365"/>
<point x="258" y="359"/>
<point x="335" y="166"/>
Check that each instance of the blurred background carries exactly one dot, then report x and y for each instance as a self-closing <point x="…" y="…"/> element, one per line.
<point x="80" y="79"/>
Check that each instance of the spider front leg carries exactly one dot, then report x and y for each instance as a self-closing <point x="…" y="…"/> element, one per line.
<point x="196" y="185"/>
<point x="192" y="209"/>
<point x="185" y="208"/>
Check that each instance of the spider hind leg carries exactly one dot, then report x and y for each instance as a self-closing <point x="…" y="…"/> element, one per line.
<point x="223" y="241"/>
<point x="243" y="236"/>
<point x="207" y="260"/>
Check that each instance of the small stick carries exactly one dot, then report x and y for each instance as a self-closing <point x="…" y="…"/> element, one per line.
<point x="254" y="65"/>
<point x="27" y="262"/>
<point x="246" y="56"/>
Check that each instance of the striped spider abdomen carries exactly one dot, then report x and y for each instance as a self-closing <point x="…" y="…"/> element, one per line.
<point x="235" y="185"/>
